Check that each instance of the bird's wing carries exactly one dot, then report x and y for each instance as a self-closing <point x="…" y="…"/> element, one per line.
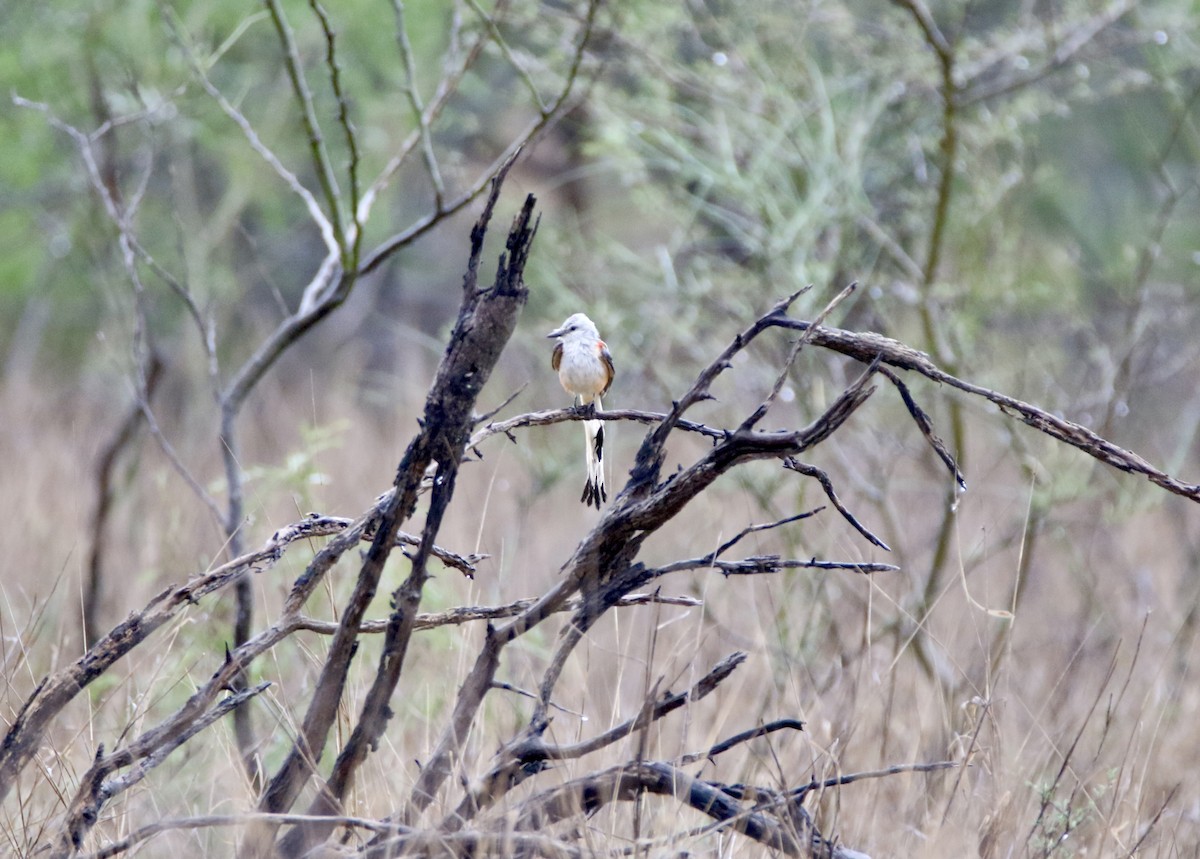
<point x="606" y="357"/>
<point x="556" y="356"/>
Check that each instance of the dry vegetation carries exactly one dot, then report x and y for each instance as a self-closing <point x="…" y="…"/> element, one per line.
<point x="1064" y="707"/>
<point x="999" y="668"/>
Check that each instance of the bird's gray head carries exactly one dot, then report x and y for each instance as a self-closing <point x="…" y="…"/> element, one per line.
<point x="575" y="324"/>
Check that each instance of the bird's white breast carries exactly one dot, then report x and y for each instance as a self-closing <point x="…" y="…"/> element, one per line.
<point x="581" y="371"/>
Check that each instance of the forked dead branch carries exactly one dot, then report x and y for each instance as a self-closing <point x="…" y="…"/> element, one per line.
<point x="446" y="816"/>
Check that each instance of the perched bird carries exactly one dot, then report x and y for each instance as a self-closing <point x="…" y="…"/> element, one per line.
<point x="585" y="369"/>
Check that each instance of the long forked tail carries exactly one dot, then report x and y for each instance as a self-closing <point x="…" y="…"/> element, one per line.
<point x="593" y="438"/>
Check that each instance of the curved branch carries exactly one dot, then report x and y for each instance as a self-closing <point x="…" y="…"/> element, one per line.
<point x="627" y="782"/>
<point x="527" y="755"/>
<point x="869" y="346"/>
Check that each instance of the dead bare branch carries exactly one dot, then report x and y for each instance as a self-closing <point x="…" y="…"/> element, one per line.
<point x="869" y="346"/>
<point x="602" y="568"/>
<point x="926" y="426"/>
<point x="579" y="413"/>
<point x="769" y="564"/>
<point x="827" y="485"/>
<point x="470" y="614"/>
<point x="626" y="782"/>
<point x="486" y="320"/>
<point x="210" y="821"/>
<point x="527" y="755"/>
<point x="744" y="737"/>
<point x="144" y="754"/>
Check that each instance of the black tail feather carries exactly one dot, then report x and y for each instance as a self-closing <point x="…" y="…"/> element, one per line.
<point x="594" y="493"/>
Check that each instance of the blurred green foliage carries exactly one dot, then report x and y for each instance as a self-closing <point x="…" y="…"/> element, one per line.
<point x="722" y="155"/>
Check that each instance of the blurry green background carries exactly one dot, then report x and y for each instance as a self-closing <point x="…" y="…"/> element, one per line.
<point x="721" y="155"/>
<point x="1038" y="234"/>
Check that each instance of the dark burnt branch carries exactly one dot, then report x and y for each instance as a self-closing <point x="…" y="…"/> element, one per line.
<point x="580" y="413"/>
<point x="144" y="754"/>
<point x="528" y="754"/>
<point x="628" y="782"/>
<point x="761" y="412"/>
<point x="869" y="346"/>
<point x="650" y="455"/>
<point x="666" y="499"/>
<point x="768" y="564"/>
<point x="827" y="485"/>
<point x="318" y="525"/>
<point x="711" y="558"/>
<point x="55" y="691"/>
<point x="789" y="803"/>
<point x="766" y="800"/>
<point x="602" y="567"/>
<point x="744" y="737"/>
<point x="925" y="425"/>
<point x="486" y="320"/>
<point x="754" y="529"/>
<point x="470" y="614"/>
<point x="653" y="711"/>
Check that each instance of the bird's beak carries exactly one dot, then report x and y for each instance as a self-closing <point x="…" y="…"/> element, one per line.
<point x="557" y="332"/>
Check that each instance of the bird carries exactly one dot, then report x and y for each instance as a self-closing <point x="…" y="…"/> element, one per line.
<point x="585" y="370"/>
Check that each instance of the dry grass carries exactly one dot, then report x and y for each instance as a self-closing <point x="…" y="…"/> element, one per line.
<point x="1076" y="714"/>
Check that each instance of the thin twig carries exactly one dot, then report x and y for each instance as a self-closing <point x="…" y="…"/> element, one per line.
<point x="308" y="114"/>
<point x="1069" y="46"/>
<point x="471" y="614"/>
<point x="516" y="690"/>
<point x="501" y="43"/>
<point x="209" y="821"/>
<point x="744" y="737"/>
<point x="579" y="413"/>
<point x="418" y="107"/>
<point x="324" y="226"/>
<point x="926" y="426"/>
<point x="786" y="370"/>
<point x="827" y="485"/>
<point x="768" y="564"/>
<point x="842" y="780"/>
<point x="350" y="254"/>
<point x="389" y="246"/>
<point x="128" y="243"/>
